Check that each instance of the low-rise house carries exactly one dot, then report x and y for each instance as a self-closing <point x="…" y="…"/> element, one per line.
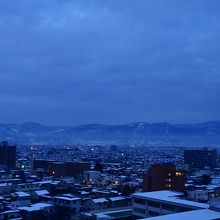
<point x="91" y="176"/>
<point x="36" y="195"/>
<point x="100" y="203"/>
<point x="5" y="188"/>
<point x="119" y="201"/>
<point x="36" y="211"/>
<point x="10" y="214"/>
<point x="198" y="195"/>
<point x="27" y="187"/>
<point x="19" y="199"/>
<point x="67" y="201"/>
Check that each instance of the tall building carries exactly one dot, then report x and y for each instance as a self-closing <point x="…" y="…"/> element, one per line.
<point x="61" y="169"/>
<point x="76" y="168"/>
<point x="163" y="177"/>
<point x="57" y="169"/>
<point x="201" y="158"/>
<point x="7" y="155"/>
<point x="42" y="164"/>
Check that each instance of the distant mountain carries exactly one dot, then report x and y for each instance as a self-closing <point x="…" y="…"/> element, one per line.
<point x="203" y="134"/>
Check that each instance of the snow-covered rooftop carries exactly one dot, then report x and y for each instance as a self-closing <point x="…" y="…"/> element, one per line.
<point x="117" y="198"/>
<point x="66" y="198"/>
<point x="35" y="207"/>
<point x="202" y="214"/>
<point x="169" y="196"/>
<point x="20" y="194"/>
<point x="42" y="192"/>
<point x="100" y="200"/>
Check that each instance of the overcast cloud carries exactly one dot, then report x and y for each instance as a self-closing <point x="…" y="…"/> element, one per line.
<point x="109" y="61"/>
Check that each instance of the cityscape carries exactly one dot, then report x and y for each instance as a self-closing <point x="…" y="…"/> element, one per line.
<point x="109" y="110"/>
<point x="108" y="182"/>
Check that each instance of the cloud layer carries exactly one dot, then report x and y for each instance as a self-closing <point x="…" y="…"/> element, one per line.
<point x="106" y="61"/>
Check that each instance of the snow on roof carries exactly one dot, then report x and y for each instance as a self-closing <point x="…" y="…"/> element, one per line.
<point x="100" y="200"/>
<point x="117" y="198"/>
<point x="84" y="193"/>
<point x="43" y="182"/>
<point x="56" y="182"/>
<point x="66" y="198"/>
<point x="35" y="207"/>
<point x="10" y="211"/>
<point x="5" y="184"/>
<point x="202" y="214"/>
<point x="101" y="191"/>
<point x="42" y="192"/>
<point x="114" y="191"/>
<point x="20" y="194"/>
<point x="68" y="195"/>
<point x="106" y="214"/>
<point x="169" y="196"/>
<point x="212" y="186"/>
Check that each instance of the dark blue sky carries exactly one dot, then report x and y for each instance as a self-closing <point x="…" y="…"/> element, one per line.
<point x="109" y="61"/>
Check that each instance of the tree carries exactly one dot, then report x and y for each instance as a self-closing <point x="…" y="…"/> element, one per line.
<point x="206" y="179"/>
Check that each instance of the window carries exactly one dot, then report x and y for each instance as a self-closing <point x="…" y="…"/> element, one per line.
<point x="139" y="201"/>
<point x="154" y="204"/>
<point x="168" y="207"/>
<point x="151" y="213"/>
<point x="138" y="210"/>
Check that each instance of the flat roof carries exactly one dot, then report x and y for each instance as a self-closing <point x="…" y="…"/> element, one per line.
<point x="66" y="198"/>
<point x="35" y="207"/>
<point x="169" y="196"/>
<point x="202" y="214"/>
<point x="100" y="200"/>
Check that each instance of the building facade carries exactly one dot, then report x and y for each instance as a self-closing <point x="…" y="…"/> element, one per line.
<point x="150" y="204"/>
<point x="201" y="158"/>
<point x="163" y="177"/>
<point x="7" y="155"/>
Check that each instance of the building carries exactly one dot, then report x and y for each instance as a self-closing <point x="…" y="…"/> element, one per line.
<point x="202" y="214"/>
<point x="70" y="168"/>
<point x="124" y="213"/>
<point x="5" y="188"/>
<point x="198" y="195"/>
<point x="42" y="164"/>
<point x="7" y="155"/>
<point x="162" y="177"/>
<point x="57" y="169"/>
<point x="67" y="201"/>
<point x="36" y="211"/>
<point x="150" y="204"/>
<point x="201" y="158"/>
<point x="76" y="168"/>
<point x="61" y="169"/>
<point x="98" y="204"/>
<point x="91" y="176"/>
<point x="10" y="214"/>
<point x="20" y="199"/>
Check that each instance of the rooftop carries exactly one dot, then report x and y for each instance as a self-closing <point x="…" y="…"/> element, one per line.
<point x="169" y="196"/>
<point x="100" y="200"/>
<point x="202" y="214"/>
<point x="66" y="198"/>
<point x="20" y="194"/>
<point x="35" y="207"/>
